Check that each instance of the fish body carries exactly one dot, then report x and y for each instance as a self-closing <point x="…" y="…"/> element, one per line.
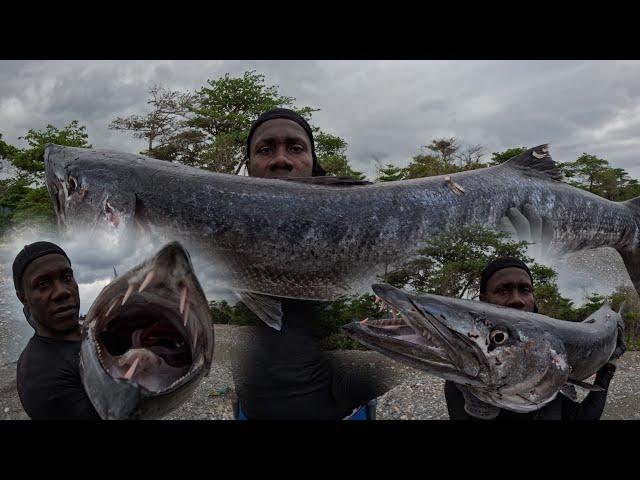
<point x="320" y="242"/>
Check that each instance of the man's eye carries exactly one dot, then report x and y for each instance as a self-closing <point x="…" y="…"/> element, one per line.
<point x="68" y="277"/>
<point x="297" y="149"/>
<point x="43" y="284"/>
<point x="264" y="150"/>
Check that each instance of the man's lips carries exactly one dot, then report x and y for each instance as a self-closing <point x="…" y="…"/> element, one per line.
<point x="65" y="309"/>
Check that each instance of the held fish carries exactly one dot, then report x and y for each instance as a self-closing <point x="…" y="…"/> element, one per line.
<point x="300" y="239"/>
<point x="504" y="357"/>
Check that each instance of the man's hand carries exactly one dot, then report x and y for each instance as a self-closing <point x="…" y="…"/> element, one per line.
<point x="527" y="225"/>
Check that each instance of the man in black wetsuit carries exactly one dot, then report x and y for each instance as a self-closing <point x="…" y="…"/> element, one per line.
<point x="284" y="375"/>
<point x="48" y="374"/>
<point x="508" y="282"/>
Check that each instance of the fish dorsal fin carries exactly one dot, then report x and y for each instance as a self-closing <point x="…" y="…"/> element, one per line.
<point x="536" y="161"/>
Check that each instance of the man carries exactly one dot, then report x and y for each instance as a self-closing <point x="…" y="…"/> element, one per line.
<point x="48" y="374"/>
<point x="284" y="374"/>
<point x="507" y="281"/>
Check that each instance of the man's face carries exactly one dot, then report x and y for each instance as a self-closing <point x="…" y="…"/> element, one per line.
<point x="51" y="294"/>
<point x="510" y="287"/>
<point x="280" y="148"/>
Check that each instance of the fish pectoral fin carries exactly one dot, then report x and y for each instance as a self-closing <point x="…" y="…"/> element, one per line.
<point x="268" y="309"/>
<point x="570" y="392"/>
<point x="585" y="385"/>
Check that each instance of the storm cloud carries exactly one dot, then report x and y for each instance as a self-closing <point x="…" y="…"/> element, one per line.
<point x="385" y="110"/>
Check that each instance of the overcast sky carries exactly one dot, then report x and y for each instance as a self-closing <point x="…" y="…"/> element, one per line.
<point x="385" y="110"/>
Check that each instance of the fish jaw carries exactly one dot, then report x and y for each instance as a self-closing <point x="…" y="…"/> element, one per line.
<point x="147" y="339"/>
<point x="83" y="198"/>
<point x="521" y="374"/>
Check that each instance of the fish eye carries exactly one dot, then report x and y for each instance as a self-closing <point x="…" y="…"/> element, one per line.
<point x="499" y="337"/>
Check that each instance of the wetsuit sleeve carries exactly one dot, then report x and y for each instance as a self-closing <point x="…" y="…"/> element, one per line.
<point x="592" y="406"/>
<point x="455" y="402"/>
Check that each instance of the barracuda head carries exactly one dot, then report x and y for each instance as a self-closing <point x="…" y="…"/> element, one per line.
<point x="501" y="354"/>
<point x="147" y="339"/>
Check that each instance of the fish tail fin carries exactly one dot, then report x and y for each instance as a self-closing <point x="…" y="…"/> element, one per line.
<point x="631" y="252"/>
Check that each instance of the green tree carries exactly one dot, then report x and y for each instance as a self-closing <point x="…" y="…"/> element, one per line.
<point x="208" y="128"/>
<point x="343" y="311"/>
<point x="161" y="124"/>
<point x="224" y="111"/>
<point x="236" y="314"/>
<point x="390" y="173"/>
<point x="7" y="151"/>
<point x="630" y="313"/>
<point x="451" y="263"/>
<point x="31" y="159"/>
<point x="548" y="298"/>
<point x="331" y="153"/>
<point x="444" y="149"/>
<point x="20" y="202"/>
<point x="586" y="172"/>
<point x="426" y="165"/>
<point x="500" y="157"/>
<point x="469" y="158"/>
<point x="22" y="199"/>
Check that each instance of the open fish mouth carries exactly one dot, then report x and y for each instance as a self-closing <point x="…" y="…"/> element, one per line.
<point x="147" y="329"/>
<point x="421" y="338"/>
<point x="144" y="342"/>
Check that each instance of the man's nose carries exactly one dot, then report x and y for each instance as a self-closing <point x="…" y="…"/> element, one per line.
<point x="281" y="158"/>
<point x="60" y="291"/>
<point x="516" y="301"/>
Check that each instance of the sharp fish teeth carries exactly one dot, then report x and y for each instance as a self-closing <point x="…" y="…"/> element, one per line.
<point x="147" y="280"/>
<point x="132" y="369"/>
<point x="127" y="295"/>
<point x="186" y="314"/>
<point x="113" y="304"/>
<point x="183" y="297"/>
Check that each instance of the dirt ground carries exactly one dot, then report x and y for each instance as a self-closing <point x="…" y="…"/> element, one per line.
<point x="411" y="395"/>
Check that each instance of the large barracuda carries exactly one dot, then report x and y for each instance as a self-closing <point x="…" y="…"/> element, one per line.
<point x="147" y="340"/>
<point x="314" y="241"/>
<point x="503" y="357"/>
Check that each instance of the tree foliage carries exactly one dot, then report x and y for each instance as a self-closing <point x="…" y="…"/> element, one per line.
<point x="31" y="159"/>
<point x="450" y="264"/>
<point x="209" y="127"/>
<point x="331" y="153"/>
<point x="500" y="157"/>
<point x="24" y="199"/>
<point x="596" y="176"/>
